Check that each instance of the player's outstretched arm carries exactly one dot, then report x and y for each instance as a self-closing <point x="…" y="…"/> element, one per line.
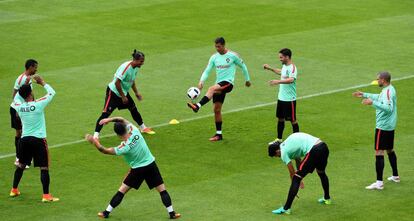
<point x="113" y="119"/>
<point x="274" y="70"/>
<point x="99" y="146"/>
<point x="45" y="100"/>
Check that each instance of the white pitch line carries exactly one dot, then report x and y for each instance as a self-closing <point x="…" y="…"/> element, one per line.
<point x="227" y="112"/>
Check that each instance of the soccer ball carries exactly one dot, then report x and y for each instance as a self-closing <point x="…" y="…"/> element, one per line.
<point x="193" y="93"/>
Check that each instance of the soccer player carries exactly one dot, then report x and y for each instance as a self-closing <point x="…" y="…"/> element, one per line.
<point x="117" y="93"/>
<point x="24" y="78"/>
<point x="33" y="144"/>
<point x="143" y="167"/>
<point x="316" y="153"/>
<point x="385" y="104"/>
<point x="224" y="61"/>
<point x="286" y="104"/>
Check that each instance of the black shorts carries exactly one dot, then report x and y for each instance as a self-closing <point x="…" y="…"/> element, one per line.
<point x="36" y="149"/>
<point x="16" y="123"/>
<point x="112" y="101"/>
<point x="226" y="87"/>
<point x="286" y="110"/>
<point x="149" y="173"/>
<point x="316" y="158"/>
<point x="384" y="140"/>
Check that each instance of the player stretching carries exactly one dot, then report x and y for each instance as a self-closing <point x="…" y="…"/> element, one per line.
<point x="225" y="62"/>
<point x="385" y="104"/>
<point x="143" y="167"/>
<point x="316" y="154"/>
<point x="33" y="144"/>
<point x="24" y="78"/>
<point x="117" y="93"/>
<point x="286" y="104"/>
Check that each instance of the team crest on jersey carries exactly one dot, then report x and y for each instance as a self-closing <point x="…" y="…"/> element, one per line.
<point x="228" y="60"/>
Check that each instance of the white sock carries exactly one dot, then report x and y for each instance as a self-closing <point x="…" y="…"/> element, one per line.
<point x="170" y="209"/>
<point x="380" y="182"/>
<point x="142" y="126"/>
<point x="199" y="105"/>
<point x="96" y="135"/>
<point x="219" y="132"/>
<point x="109" y="208"/>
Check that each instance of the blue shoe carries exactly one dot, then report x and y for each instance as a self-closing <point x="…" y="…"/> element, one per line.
<point x="324" y="201"/>
<point x="281" y="211"/>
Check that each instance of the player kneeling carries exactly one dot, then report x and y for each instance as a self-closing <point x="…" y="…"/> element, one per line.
<point x="316" y="154"/>
<point x="143" y="167"/>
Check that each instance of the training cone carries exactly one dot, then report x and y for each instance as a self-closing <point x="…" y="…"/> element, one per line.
<point x="374" y="82"/>
<point x="174" y="121"/>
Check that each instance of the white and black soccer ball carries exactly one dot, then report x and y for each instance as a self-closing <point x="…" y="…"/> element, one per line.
<point x="193" y="93"/>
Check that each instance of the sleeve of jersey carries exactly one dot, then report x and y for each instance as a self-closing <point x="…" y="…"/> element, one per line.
<point x="284" y="156"/>
<point x="16" y="84"/>
<point x="239" y="62"/>
<point x="45" y="100"/>
<point x="293" y="72"/>
<point x="208" y="69"/>
<point x="121" y="149"/>
<point x="370" y="96"/>
<point x="386" y="104"/>
<point x="122" y="72"/>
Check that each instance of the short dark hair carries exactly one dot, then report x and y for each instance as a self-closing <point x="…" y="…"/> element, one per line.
<point x="25" y="90"/>
<point x="286" y="52"/>
<point x="220" y="40"/>
<point x="137" y="55"/>
<point x="272" y="148"/>
<point x="30" y="63"/>
<point x="120" y="128"/>
<point x="385" y="75"/>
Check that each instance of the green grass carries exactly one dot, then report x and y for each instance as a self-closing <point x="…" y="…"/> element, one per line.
<point x="79" y="45"/>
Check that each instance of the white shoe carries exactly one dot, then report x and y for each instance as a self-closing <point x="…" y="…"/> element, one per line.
<point x="375" y="186"/>
<point x="396" y="179"/>
<point x="276" y="140"/>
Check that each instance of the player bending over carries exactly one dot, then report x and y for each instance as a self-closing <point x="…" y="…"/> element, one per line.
<point x="143" y="167"/>
<point x="316" y="155"/>
<point x="225" y="62"/>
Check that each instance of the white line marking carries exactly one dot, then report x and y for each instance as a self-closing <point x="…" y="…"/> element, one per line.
<point x="227" y="112"/>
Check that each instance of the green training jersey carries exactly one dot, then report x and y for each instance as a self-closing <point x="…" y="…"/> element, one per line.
<point x="32" y="114"/>
<point x="20" y="81"/>
<point x="287" y="92"/>
<point x="225" y="65"/>
<point x="385" y="104"/>
<point x="135" y="150"/>
<point x="127" y="74"/>
<point x="297" y="145"/>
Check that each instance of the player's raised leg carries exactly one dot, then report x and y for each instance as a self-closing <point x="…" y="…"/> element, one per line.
<point x="206" y="98"/>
